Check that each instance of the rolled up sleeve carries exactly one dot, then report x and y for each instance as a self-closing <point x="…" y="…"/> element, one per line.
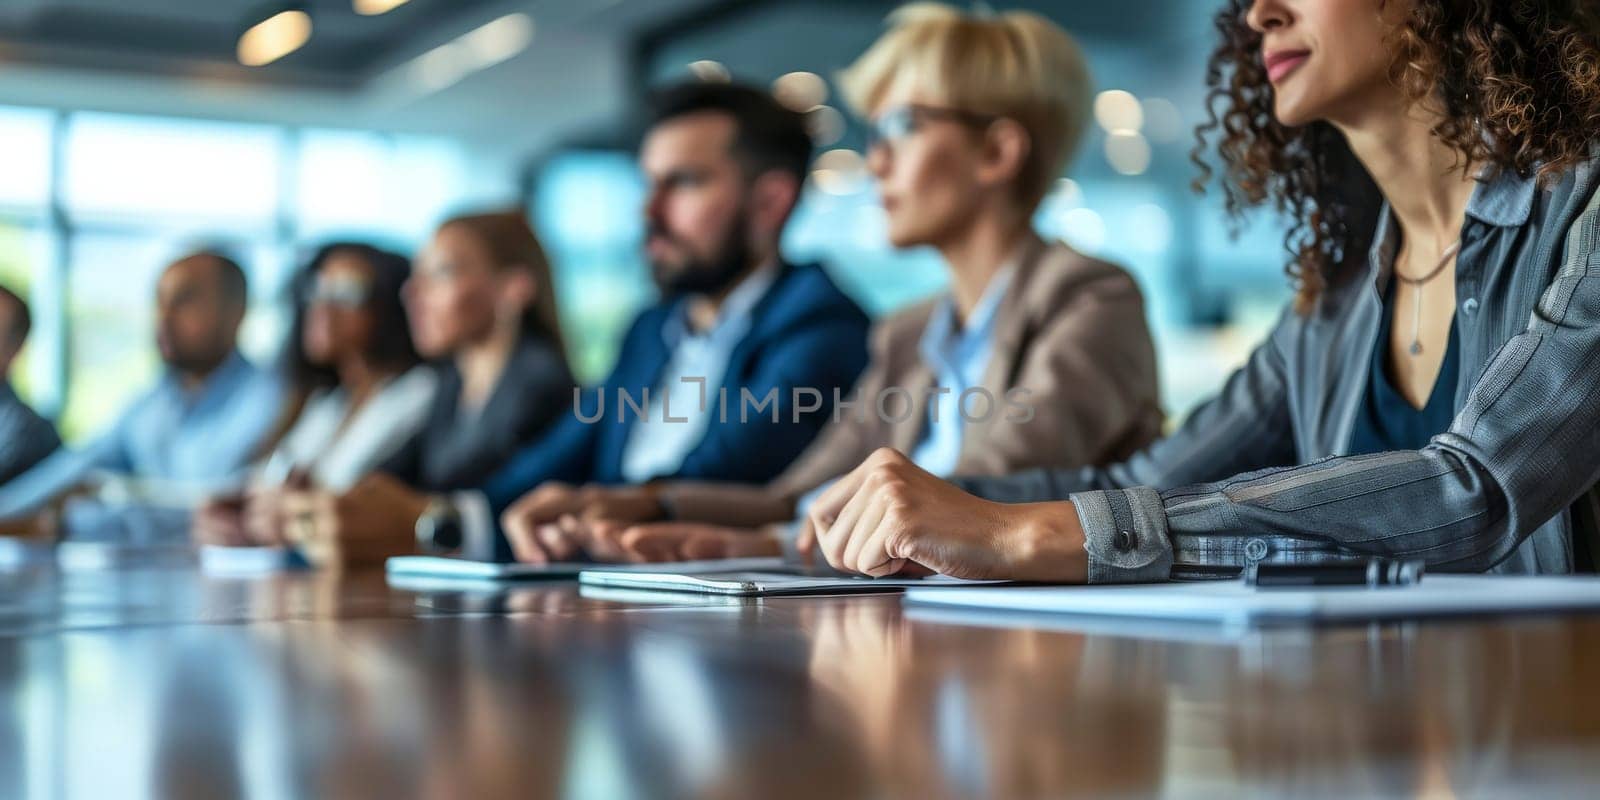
<point x="1125" y="535"/>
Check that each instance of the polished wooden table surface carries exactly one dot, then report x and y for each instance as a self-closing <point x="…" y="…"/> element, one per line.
<point x="166" y="683"/>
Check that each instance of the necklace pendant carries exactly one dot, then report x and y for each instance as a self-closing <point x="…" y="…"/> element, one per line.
<point x="1416" y="348"/>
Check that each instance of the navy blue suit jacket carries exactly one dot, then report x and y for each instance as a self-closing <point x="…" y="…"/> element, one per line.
<point x="805" y="333"/>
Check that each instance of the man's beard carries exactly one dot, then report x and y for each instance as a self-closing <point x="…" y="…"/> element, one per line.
<point x="193" y="362"/>
<point x="708" y="276"/>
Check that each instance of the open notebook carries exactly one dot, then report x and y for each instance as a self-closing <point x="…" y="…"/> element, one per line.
<point x="1234" y="602"/>
<point x="776" y="581"/>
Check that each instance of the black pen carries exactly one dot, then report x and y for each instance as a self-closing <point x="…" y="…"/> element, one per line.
<point x="1371" y="572"/>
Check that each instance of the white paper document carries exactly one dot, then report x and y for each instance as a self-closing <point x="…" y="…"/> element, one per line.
<point x="1234" y="602"/>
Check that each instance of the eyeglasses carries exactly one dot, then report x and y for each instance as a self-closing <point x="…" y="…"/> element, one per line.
<point x="338" y="293"/>
<point x="898" y="123"/>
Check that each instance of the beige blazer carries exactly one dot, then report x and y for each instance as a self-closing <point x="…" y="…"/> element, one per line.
<point x="1070" y="332"/>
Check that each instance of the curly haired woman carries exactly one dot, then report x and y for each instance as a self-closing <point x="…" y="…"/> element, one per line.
<point x="1433" y="394"/>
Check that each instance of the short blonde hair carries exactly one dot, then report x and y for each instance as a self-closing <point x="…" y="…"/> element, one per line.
<point x="1017" y="65"/>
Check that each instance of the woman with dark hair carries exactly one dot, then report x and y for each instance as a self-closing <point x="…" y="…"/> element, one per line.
<point x="359" y="392"/>
<point x="368" y="395"/>
<point x="482" y="303"/>
<point x="1436" y="379"/>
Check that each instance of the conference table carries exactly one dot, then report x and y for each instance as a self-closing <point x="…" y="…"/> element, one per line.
<point x="165" y="682"/>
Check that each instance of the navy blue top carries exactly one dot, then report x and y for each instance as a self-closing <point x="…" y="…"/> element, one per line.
<point x="1386" y="421"/>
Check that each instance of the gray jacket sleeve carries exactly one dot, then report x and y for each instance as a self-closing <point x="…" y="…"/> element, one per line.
<point x="1525" y="446"/>
<point x="1245" y="427"/>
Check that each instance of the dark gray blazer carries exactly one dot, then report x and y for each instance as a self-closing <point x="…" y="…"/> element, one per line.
<point x="25" y="437"/>
<point x="454" y="451"/>
<point x="1262" y="471"/>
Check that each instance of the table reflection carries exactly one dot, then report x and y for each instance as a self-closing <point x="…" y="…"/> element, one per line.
<point x="173" y="685"/>
<point x="956" y="711"/>
<point x="1382" y="710"/>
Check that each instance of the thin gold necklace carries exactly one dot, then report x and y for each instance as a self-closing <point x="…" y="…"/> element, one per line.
<point x="1416" y="291"/>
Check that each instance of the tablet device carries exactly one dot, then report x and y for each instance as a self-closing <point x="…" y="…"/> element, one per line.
<point x="790" y="580"/>
<point x="467" y="570"/>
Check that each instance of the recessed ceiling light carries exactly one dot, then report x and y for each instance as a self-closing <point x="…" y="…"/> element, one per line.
<point x="1118" y="111"/>
<point x="709" y="71"/>
<point x="1128" y="152"/>
<point x="839" y="172"/>
<point x="498" y="40"/>
<point x="801" y="91"/>
<point x="372" y="8"/>
<point x="478" y="49"/>
<point x="274" y="37"/>
<point x="826" y="125"/>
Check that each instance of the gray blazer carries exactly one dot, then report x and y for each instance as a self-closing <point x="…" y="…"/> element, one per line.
<point x="1509" y="488"/>
<point x="456" y="450"/>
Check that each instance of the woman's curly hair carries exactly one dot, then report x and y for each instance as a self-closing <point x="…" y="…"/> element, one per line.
<point x="1517" y="83"/>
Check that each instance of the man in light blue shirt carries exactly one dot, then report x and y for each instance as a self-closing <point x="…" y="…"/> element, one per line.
<point x="195" y="431"/>
<point x="687" y="392"/>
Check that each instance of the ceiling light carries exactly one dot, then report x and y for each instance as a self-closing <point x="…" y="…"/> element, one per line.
<point x="1128" y="152"/>
<point x="839" y="172"/>
<point x="826" y="125"/>
<point x="709" y="71"/>
<point x="1118" y="111"/>
<point x="498" y="40"/>
<point x="478" y="49"/>
<point x="274" y="37"/>
<point x="372" y="8"/>
<point x="439" y="68"/>
<point x="800" y="91"/>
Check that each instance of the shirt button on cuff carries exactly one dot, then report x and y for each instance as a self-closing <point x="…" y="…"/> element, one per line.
<point x="1255" y="549"/>
<point x="1124" y="541"/>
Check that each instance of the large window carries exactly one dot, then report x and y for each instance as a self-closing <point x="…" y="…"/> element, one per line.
<point x="86" y="229"/>
<point x="171" y="173"/>
<point x="587" y="207"/>
<point x="24" y="160"/>
<point x="354" y="181"/>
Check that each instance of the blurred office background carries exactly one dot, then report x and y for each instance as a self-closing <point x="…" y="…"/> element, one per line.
<point x="132" y="131"/>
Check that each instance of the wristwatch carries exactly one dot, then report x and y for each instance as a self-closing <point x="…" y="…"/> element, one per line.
<point x="439" y="528"/>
